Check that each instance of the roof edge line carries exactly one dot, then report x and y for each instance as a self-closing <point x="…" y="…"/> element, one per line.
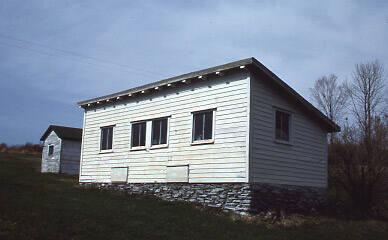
<point x="177" y="78"/>
<point x="299" y="97"/>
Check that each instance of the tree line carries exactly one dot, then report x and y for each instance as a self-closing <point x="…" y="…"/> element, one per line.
<point x="358" y="155"/>
<point x="25" y="148"/>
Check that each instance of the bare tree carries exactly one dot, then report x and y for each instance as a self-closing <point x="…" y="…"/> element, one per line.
<point x="366" y="94"/>
<point x="362" y="156"/>
<point x="361" y="174"/>
<point x="330" y="97"/>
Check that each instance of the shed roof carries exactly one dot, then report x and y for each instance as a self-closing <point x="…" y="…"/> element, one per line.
<point x="68" y="133"/>
<point x="251" y="64"/>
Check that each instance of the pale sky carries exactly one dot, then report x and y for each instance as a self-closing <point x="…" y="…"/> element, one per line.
<point x="55" y="53"/>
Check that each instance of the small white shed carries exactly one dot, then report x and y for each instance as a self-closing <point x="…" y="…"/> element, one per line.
<point x="61" y="149"/>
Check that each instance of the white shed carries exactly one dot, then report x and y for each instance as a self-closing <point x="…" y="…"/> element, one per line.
<point x="233" y="126"/>
<point x="61" y="149"/>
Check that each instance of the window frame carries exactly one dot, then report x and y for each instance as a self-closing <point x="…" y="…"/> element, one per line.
<point x="164" y="145"/>
<point x="48" y="150"/>
<point x="205" y="141"/>
<point x="133" y="148"/>
<point x="290" y="127"/>
<point x="113" y="133"/>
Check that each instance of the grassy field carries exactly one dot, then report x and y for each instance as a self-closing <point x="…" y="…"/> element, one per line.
<point x="47" y="206"/>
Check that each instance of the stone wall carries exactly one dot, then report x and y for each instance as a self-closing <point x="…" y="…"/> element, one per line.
<point x="242" y="198"/>
<point x="287" y="198"/>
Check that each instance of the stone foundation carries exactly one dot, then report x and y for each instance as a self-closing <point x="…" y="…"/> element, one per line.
<point x="242" y="198"/>
<point x="287" y="198"/>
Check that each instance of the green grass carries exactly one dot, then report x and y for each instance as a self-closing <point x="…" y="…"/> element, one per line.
<point x="48" y="206"/>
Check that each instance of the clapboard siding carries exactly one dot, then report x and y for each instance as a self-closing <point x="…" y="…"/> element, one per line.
<point x="51" y="163"/>
<point x="301" y="163"/>
<point x="223" y="161"/>
<point x="70" y="156"/>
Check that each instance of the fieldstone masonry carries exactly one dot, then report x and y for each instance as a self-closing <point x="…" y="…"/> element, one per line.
<point x="242" y="198"/>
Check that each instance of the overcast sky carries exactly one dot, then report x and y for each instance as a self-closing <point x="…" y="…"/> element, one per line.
<point x="55" y="53"/>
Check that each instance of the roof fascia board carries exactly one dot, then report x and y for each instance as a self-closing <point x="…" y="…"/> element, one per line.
<point x="296" y="95"/>
<point x="248" y="62"/>
<point x="191" y="75"/>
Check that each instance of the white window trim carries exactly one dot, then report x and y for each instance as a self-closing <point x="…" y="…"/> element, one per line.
<point x="48" y="150"/>
<point x="113" y="134"/>
<point x="148" y="142"/>
<point x="167" y="135"/>
<point x="138" y="148"/>
<point x="106" y="151"/>
<point x="206" y="141"/>
<point x="280" y="141"/>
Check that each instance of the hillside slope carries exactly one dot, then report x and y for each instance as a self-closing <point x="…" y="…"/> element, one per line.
<point x="48" y="206"/>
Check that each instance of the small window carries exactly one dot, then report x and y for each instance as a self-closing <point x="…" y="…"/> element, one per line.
<point x="159" y="131"/>
<point x="50" y="150"/>
<point x="138" y="134"/>
<point x="202" y="125"/>
<point x="282" y="126"/>
<point x="106" y="138"/>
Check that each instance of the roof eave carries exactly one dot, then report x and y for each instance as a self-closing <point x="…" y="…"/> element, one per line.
<point x="167" y="81"/>
<point x="53" y="128"/>
<point x="331" y="126"/>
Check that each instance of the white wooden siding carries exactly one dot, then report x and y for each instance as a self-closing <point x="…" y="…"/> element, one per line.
<point x="301" y="163"/>
<point x="223" y="161"/>
<point x="119" y="174"/>
<point x="51" y="163"/>
<point x="70" y="156"/>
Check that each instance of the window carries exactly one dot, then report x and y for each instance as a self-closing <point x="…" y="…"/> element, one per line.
<point x="106" y="138"/>
<point x="50" y="150"/>
<point x="138" y="134"/>
<point x="282" y="126"/>
<point x="203" y="125"/>
<point x="159" y="131"/>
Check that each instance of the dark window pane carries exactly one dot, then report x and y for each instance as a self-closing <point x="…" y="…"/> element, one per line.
<point x="198" y="127"/>
<point x="285" y="127"/>
<point x="142" y="134"/>
<point x="203" y="126"/>
<point x="208" y="128"/>
<point x="138" y="134"/>
<point x="106" y="138"/>
<point x="51" y="150"/>
<point x="135" y="135"/>
<point x="159" y="131"/>
<point x="155" y="132"/>
<point x="163" y="132"/>
<point x="110" y="138"/>
<point x="282" y="126"/>
<point x="102" y="140"/>
<point x="106" y="141"/>
<point x="278" y="125"/>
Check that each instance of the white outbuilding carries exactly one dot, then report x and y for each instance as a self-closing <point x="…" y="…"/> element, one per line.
<point x="61" y="149"/>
